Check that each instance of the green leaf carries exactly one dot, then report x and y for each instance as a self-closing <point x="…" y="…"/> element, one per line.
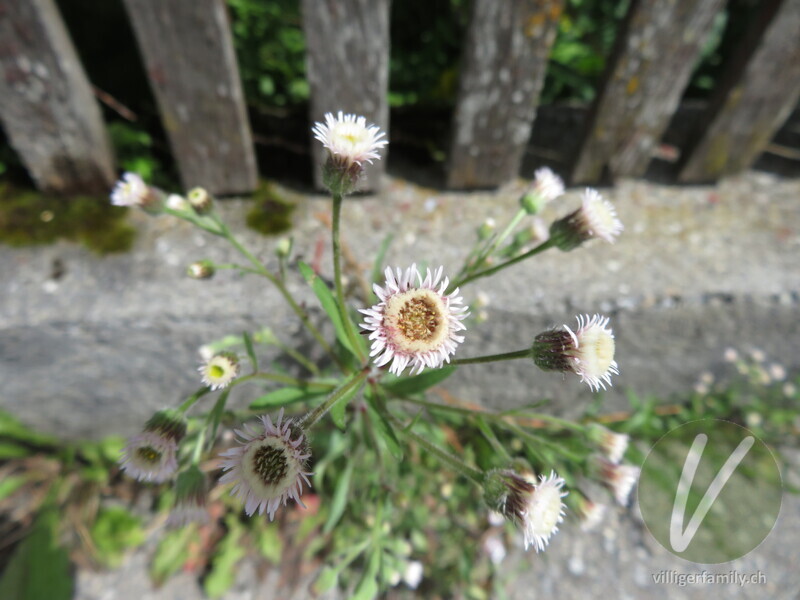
<point x="248" y="345"/>
<point x="172" y="553"/>
<point x="113" y="532"/>
<point x="385" y="430"/>
<point x="326" y="299"/>
<point x="12" y="428"/>
<point x="339" y="501"/>
<point x="12" y="450"/>
<point x="337" y="411"/>
<point x="408" y="386"/>
<point x="269" y="542"/>
<point x="39" y="568"/>
<point x="223" y="565"/>
<point x="326" y="580"/>
<point x="368" y="586"/>
<point x="287" y="395"/>
<point x="11" y="484"/>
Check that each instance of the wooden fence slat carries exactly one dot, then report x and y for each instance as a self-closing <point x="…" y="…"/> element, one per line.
<point x="191" y="64"/>
<point x="347" y="61"/>
<point x="655" y="54"/>
<point x="756" y="96"/>
<point x="46" y="104"/>
<point x="502" y="72"/>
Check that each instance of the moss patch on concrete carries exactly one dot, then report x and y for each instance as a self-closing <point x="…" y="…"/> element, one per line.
<point x="29" y="218"/>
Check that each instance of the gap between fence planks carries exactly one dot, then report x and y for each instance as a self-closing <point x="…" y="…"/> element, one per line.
<point x="347" y="58"/>
<point x="655" y="54"/>
<point x="191" y="65"/>
<point x="753" y="99"/>
<point x="502" y="72"/>
<point x="46" y="104"/>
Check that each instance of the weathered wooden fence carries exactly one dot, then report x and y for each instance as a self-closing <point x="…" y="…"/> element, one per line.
<point x="54" y="123"/>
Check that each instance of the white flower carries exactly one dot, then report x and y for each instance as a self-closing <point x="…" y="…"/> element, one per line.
<point x="412" y="576"/>
<point x="150" y="456"/>
<point x="495" y="549"/>
<point x="178" y="203"/>
<point x="588" y="351"/>
<point x="596" y="218"/>
<point x="620" y="479"/>
<point x="219" y="370"/>
<point x="547" y="184"/>
<point x="349" y="139"/>
<point x="416" y="322"/>
<point x="590" y="513"/>
<point x="613" y="445"/>
<point x="269" y="468"/>
<point x="131" y="190"/>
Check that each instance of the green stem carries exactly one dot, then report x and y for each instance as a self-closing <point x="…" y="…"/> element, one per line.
<point x="492" y="270"/>
<point x="287" y="379"/>
<point x="260" y="268"/>
<point x="189" y="402"/>
<point x="445" y="456"/>
<point x="315" y="415"/>
<point x="512" y="224"/>
<point x="337" y="280"/>
<point x="492" y="357"/>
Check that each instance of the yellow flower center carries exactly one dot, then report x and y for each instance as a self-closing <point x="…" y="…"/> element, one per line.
<point x="216" y="371"/>
<point x="596" y="351"/>
<point x="416" y="320"/>
<point x="148" y="454"/>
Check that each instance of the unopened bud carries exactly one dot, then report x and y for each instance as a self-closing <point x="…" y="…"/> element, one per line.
<point x="202" y="269"/>
<point x="201" y="200"/>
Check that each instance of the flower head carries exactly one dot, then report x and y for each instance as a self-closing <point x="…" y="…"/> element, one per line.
<point x="191" y="489"/>
<point x="131" y="190"/>
<point x="219" y="370"/>
<point x="612" y="445"/>
<point x="200" y="200"/>
<point x="350" y="143"/>
<point x="415" y="322"/>
<point x="269" y="467"/>
<point x="596" y="218"/>
<point x="536" y="508"/>
<point x="150" y="456"/>
<point x="546" y="187"/>
<point x="588" y="351"/>
<point x="620" y="479"/>
<point x="590" y="513"/>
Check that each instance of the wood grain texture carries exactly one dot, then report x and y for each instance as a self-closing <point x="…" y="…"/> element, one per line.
<point x="347" y="45"/>
<point x="755" y="97"/>
<point x="46" y="104"/>
<point x="502" y="72"/>
<point x="190" y="61"/>
<point x="655" y="54"/>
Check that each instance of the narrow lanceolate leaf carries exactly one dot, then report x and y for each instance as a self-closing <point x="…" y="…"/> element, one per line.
<point x="328" y="303"/>
<point x="408" y="386"/>
<point x="377" y="267"/>
<point x="289" y="395"/>
<point x="248" y="345"/>
<point x="385" y="429"/>
<point x="339" y="502"/>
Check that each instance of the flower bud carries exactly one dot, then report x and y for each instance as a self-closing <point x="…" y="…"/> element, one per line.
<point x="201" y="269"/>
<point x="191" y="489"/>
<point x="200" y="200"/>
<point x="596" y="218"/>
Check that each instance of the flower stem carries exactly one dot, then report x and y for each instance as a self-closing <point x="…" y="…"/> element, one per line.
<point x="492" y="357"/>
<point x="286" y="379"/>
<point x="315" y="415"/>
<point x="260" y="268"/>
<point x="189" y="402"/>
<point x="492" y="270"/>
<point x="337" y="280"/>
<point x="442" y="454"/>
<point x="512" y="224"/>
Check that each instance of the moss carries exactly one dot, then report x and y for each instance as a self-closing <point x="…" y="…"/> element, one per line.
<point x="29" y="218"/>
<point x="271" y="213"/>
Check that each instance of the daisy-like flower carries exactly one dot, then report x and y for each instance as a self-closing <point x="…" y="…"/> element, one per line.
<point x="612" y="445"/>
<point x="191" y="489"/>
<point x="350" y="143"/>
<point x="131" y="190"/>
<point x="219" y="370"/>
<point x="150" y="456"/>
<point x="546" y="187"/>
<point x="536" y="508"/>
<point x="415" y="323"/>
<point x="588" y="351"/>
<point x="619" y="479"/>
<point x="596" y="218"/>
<point x="269" y="467"/>
<point x="590" y="513"/>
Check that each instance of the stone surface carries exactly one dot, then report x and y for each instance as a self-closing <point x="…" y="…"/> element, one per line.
<point x="697" y="269"/>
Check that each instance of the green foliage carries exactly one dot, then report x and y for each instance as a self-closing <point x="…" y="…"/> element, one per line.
<point x="28" y="218"/>
<point x="271" y="213"/>
<point x="114" y="531"/>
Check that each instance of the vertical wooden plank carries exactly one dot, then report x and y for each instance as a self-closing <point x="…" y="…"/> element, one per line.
<point x="655" y="54"/>
<point x="502" y="72"/>
<point x="347" y="62"/>
<point x="188" y="53"/>
<point x="46" y="104"/>
<point x="754" y="98"/>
